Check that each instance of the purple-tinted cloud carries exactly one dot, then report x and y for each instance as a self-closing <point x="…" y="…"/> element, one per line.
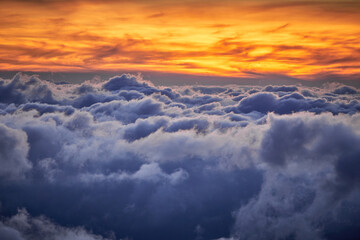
<point x="127" y="159"/>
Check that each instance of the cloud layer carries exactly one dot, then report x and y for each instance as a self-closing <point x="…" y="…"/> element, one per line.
<point x="124" y="159"/>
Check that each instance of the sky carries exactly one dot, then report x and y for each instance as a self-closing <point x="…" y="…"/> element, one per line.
<point x="233" y="38"/>
<point x="179" y="120"/>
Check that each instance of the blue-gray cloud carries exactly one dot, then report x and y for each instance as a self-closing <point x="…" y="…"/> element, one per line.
<point x="127" y="159"/>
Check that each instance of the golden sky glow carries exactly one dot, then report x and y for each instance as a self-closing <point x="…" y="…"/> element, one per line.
<point x="224" y="38"/>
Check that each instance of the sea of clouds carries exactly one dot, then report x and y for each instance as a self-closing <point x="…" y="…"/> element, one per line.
<point x="124" y="159"/>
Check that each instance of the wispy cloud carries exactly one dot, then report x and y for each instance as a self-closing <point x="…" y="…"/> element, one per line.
<point x="297" y="38"/>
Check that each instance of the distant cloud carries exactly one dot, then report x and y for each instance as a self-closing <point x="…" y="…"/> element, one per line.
<point x="345" y="90"/>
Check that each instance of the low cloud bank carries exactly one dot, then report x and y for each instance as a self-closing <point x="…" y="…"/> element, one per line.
<point x="124" y="159"/>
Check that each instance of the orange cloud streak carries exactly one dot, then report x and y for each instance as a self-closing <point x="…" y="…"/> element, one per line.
<point x="227" y="38"/>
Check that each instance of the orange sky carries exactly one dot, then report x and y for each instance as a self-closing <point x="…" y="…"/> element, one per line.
<point x="224" y="38"/>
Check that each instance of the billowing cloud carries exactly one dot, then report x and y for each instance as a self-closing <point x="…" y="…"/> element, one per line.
<point x="309" y="184"/>
<point x="13" y="153"/>
<point x="23" y="226"/>
<point x="124" y="159"/>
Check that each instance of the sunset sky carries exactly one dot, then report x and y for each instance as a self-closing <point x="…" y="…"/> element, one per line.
<point x="179" y="119"/>
<point x="300" y="39"/>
